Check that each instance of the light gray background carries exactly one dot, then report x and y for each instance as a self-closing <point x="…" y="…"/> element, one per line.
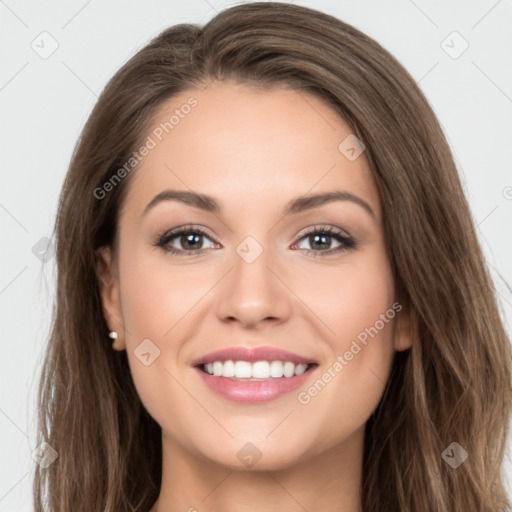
<point x="44" y="103"/>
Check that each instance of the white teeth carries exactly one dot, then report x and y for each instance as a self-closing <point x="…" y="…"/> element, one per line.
<point x="217" y="368"/>
<point x="243" y="370"/>
<point x="300" y="369"/>
<point x="289" y="369"/>
<point x="276" y="369"/>
<point x="257" y="370"/>
<point x="261" y="370"/>
<point x="228" y="369"/>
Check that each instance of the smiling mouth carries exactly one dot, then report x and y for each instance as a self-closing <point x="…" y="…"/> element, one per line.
<point x="255" y="371"/>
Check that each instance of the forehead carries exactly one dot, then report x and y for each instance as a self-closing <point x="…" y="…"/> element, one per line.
<point x="248" y="147"/>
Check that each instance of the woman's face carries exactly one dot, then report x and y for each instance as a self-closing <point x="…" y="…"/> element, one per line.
<point x="254" y="277"/>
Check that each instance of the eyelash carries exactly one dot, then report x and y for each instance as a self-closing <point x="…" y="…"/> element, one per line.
<point x="347" y="241"/>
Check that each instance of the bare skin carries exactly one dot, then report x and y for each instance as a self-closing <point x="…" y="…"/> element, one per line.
<point x="254" y="151"/>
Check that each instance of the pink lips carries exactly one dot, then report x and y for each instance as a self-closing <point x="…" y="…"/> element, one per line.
<point x="257" y="391"/>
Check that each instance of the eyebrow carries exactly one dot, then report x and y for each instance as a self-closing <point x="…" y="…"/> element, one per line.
<point x="297" y="205"/>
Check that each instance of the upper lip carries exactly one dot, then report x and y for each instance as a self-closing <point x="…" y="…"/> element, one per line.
<point x="252" y="355"/>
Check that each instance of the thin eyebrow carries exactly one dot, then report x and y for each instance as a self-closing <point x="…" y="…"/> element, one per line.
<point x="297" y="205"/>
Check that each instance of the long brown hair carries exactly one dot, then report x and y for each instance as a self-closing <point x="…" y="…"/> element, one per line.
<point x="453" y="385"/>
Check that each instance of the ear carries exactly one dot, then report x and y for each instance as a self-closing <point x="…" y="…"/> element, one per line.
<point x="109" y="289"/>
<point x="404" y="329"/>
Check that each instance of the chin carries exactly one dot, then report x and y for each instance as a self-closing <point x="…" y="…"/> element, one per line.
<point x="255" y="455"/>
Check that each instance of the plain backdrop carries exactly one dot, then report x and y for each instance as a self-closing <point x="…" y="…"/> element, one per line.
<point x="57" y="56"/>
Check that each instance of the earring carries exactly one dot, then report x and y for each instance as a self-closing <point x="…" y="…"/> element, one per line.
<point x="113" y="335"/>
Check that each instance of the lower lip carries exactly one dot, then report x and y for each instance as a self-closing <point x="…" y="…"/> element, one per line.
<point x="255" y="391"/>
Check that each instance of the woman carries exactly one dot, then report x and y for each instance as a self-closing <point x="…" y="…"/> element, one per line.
<point x="251" y="366"/>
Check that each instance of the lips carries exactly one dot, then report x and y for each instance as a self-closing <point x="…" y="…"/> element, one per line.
<point x="252" y="355"/>
<point x="253" y="390"/>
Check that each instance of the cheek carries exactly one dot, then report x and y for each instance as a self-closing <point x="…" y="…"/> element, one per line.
<point x="153" y="302"/>
<point x="363" y="310"/>
<point x="154" y="296"/>
<point x="357" y="311"/>
<point x="349" y="299"/>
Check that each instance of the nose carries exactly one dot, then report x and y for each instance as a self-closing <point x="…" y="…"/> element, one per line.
<point x="254" y="293"/>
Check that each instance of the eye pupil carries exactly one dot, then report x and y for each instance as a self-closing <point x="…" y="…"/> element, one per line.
<point x="190" y="238"/>
<point x="316" y="237"/>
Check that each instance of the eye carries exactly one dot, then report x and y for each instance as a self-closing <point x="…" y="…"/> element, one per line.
<point x="321" y="236"/>
<point x="189" y="238"/>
